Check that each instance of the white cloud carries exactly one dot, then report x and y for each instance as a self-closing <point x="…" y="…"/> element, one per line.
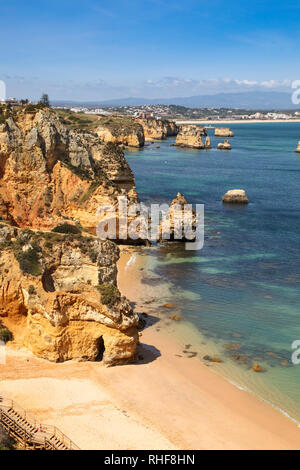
<point x="165" y="87"/>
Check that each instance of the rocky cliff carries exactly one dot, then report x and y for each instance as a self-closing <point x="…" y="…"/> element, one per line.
<point x="49" y="172"/>
<point x="121" y="130"/>
<point x="158" y="129"/>
<point x="191" y="136"/>
<point x="59" y="296"/>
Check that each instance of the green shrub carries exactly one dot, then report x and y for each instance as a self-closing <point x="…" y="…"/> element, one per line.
<point x="93" y="256"/>
<point x="109" y="294"/>
<point x="31" y="290"/>
<point x="5" y="334"/>
<point x="29" y="260"/>
<point x="67" y="228"/>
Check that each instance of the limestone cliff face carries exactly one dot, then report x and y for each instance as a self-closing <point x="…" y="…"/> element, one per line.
<point x="59" y="297"/>
<point x="158" y="129"/>
<point x="191" y="136"/>
<point x="121" y="131"/>
<point x="223" y="132"/>
<point x="49" y="173"/>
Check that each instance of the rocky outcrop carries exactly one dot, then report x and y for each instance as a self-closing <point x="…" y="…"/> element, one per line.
<point x="121" y="130"/>
<point x="158" y="129"/>
<point x="235" y="196"/>
<point x="223" y="132"/>
<point x="49" y="173"/>
<point x="298" y="148"/>
<point x="172" y="226"/>
<point x="207" y="144"/>
<point x="59" y="297"/>
<point x="190" y="137"/>
<point x="224" y="146"/>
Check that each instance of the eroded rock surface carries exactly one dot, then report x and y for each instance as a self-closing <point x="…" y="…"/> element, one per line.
<point x="49" y="173"/>
<point x="123" y="131"/>
<point x="59" y="297"/>
<point x="235" y="196"/>
<point x="223" y="132"/>
<point x="158" y="129"/>
<point x="191" y="137"/>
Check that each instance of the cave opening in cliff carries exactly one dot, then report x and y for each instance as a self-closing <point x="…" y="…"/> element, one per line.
<point x="47" y="282"/>
<point x="101" y="349"/>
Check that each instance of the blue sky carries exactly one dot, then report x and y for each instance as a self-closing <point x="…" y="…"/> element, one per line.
<point x="95" y="50"/>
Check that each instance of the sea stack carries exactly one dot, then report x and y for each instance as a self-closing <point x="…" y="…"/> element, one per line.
<point x="172" y="225"/>
<point x="224" y="146"/>
<point x="298" y="148"/>
<point x="223" y="132"/>
<point x="191" y="137"/>
<point x="235" y="196"/>
<point x="207" y="143"/>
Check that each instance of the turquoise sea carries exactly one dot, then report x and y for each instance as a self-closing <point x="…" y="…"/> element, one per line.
<point x="243" y="288"/>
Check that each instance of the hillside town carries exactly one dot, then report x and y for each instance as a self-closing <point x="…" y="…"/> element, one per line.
<point x="172" y="112"/>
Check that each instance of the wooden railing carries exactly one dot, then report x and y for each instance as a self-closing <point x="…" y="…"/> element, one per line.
<point x="26" y="429"/>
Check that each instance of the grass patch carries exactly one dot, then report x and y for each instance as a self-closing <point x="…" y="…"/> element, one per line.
<point x="119" y="125"/>
<point x="80" y="172"/>
<point x="94" y="185"/>
<point x="109" y="294"/>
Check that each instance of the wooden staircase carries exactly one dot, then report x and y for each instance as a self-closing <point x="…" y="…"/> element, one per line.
<point x="32" y="434"/>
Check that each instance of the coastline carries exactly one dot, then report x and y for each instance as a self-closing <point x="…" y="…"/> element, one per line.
<point x="236" y="121"/>
<point x="164" y="401"/>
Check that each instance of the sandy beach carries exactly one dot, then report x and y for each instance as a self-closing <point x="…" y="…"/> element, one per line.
<point x="236" y="121"/>
<point x="165" y="401"/>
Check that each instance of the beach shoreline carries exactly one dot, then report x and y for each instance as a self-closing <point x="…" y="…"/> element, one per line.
<point x="164" y="401"/>
<point x="235" y="121"/>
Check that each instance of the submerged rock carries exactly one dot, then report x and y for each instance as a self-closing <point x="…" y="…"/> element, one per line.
<point x="257" y="368"/>
<point x="235" y="196"/>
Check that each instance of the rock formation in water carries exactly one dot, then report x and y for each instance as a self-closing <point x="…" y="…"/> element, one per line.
<point x="121" y="130"/>
<point x="224" y="146"/>
<point x="190" y="137"/>
<point x="298" y="148"/>
<point x="172" y="226"/>
<point x="49" y="173"/>
<point x="235" y="196"/>
<point x="207" y="143"/>
<point x="223" y="132"/>
<point x="59" y="296"/>
<point x="158" y="129"/>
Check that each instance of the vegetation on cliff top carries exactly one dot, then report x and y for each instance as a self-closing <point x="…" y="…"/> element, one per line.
<point x="86" y="122"/>
<point x="119" y="125"/>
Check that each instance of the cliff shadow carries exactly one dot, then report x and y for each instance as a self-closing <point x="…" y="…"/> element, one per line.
<point x="147" y="353"/>
<point x="148" y="320"/>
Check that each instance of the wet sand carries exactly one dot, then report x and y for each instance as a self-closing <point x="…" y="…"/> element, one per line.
<point x="165" y="401"/>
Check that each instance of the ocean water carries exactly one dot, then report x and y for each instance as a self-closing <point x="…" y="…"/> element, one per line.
<point x="240" y="294"/>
